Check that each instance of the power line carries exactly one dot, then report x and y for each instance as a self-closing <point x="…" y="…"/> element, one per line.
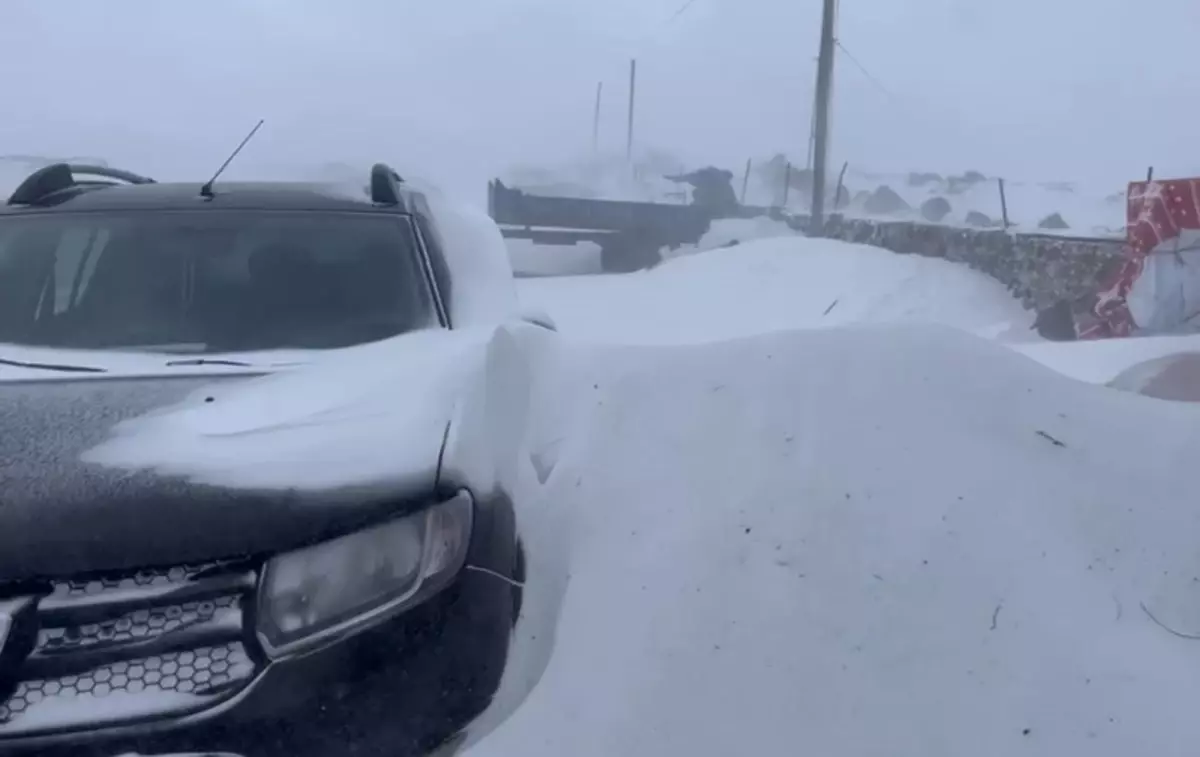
<point x="682" y="10"/>
<point x="650" y="35"/>
<point x="907" y="107"/>
<point x="863" y="69"/>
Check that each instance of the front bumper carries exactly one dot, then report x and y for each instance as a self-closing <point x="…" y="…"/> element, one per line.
<point x="398" y="688"/>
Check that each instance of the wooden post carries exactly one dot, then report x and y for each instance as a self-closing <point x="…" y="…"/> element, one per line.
<point x="841" y="178"/>
<point x="632" y="93"/>
<point x="596" y="120"/>
<point x="787" y="183"/>
<point x="745" y="180"/>
<point x="821" y="127"/>
<point x="1003" y="203"/>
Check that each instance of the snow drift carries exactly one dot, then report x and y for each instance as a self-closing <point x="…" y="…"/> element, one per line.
<point x="1102" y="361"/>
<point x="777" y="284"/>
<point x="884" y="541"/>
<point x="1174" y="377"/>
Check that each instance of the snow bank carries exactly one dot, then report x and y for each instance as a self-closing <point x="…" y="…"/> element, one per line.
<point x="892" y="541"/>
<point x="531" y="259"/>
<point x="584" y="258"/>
<point x="777" y="284"/>
<point x="730" y="231"/>
<point x="1174" y="377"/>
<point x="1102" y="360"/>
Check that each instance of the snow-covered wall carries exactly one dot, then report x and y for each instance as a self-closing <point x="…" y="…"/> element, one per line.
<point x="1039" y="270"/>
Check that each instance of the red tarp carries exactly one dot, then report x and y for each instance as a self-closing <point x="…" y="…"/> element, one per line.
<point x="1156" y="213"/>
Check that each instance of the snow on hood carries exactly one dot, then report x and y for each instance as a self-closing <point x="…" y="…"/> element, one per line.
<point x="777" y="284"/>
<point x="869" y="542"/>
<point x="374" y="412"/>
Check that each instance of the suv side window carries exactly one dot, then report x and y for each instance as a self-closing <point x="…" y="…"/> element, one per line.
<point x="437" y="258"/>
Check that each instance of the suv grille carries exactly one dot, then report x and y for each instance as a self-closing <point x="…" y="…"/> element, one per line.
<point x="115" y="649"/>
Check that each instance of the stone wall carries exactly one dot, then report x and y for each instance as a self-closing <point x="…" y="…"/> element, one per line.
<point x="1039" y="269"/>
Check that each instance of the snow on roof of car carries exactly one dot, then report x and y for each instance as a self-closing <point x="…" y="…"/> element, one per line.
<point x="483" y="289"/>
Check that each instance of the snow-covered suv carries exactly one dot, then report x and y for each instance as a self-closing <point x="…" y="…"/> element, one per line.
<point x="255" y="475"/>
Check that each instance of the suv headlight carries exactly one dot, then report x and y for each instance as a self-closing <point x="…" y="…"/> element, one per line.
<point x="318" y="593"/>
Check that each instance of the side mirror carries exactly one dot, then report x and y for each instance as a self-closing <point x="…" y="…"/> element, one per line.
<point x="538" y="317"/>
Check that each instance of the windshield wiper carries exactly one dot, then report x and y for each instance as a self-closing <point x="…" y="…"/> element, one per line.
<point x="53" y="366"/>
<point x="209" y="361"/>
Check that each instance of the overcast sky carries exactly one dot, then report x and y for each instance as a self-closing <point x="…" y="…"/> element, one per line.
<point x="460" y="89"/>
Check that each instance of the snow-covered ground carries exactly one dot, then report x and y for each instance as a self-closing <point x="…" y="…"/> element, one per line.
<point x="768" y="529"/>
<point x="888" y="541"/>
<point x="806" y="497"/>
<point x="529" y="259"/>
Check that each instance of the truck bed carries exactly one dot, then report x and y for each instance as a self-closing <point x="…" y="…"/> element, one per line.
<point x="513" y="207"/>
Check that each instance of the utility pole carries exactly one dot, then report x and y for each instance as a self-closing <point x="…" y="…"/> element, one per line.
<point x="596" y="121"/>
<point x="632" y="92"/>
<point x="821" y="116"/>
<point x="812" y="128"/>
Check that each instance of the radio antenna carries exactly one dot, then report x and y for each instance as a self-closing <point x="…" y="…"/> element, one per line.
<point x="206" y="191"/>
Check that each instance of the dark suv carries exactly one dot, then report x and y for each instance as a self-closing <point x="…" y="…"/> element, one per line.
<point x="153" y="609"/>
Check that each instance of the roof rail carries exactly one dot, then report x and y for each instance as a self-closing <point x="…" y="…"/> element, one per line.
<point x="385" y="183"/>
<point x="59" y="176"/>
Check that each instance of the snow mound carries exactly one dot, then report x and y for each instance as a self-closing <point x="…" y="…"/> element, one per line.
<point x="1100" y="361"/>
<point x="530" y="259"/>
<point x="870" y="542"/>
<point x="730" y="231"/>
<point x="1174" y="377"/>
<point x="777" y="284"/>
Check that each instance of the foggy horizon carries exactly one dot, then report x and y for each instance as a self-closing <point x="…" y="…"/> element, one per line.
<point x="469" y="89"/>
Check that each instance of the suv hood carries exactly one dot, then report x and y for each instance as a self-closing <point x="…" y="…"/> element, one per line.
<point x="104" y="474"/>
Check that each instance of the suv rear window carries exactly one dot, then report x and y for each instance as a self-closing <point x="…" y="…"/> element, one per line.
<point x="209" y="281"/>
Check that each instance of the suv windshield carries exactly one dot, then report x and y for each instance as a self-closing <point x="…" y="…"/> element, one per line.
<point x="209" y="281"/>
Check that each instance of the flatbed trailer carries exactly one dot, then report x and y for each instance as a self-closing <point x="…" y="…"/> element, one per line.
<point x="630" y="234"/>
